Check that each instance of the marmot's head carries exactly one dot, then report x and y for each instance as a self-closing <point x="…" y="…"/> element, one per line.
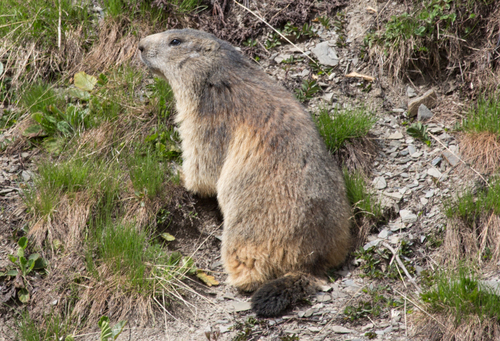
<point x="184" y="56"/>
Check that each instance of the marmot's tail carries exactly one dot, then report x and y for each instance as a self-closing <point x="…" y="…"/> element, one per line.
<point x="275" y="296"/>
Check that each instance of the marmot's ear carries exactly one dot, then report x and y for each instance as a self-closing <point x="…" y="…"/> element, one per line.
<point x="211" y="45"/>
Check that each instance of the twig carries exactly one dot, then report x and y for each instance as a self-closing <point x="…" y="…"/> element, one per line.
<point x="400" y="263"/>
<point x="59" y="28"/>
<point x="275" y="30"/>
<point x="459" y="158"/>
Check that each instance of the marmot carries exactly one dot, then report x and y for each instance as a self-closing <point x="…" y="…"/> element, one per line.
<point x="251" y="143"/>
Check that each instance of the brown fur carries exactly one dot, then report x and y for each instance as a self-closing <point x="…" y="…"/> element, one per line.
<point x="248" y="141"/>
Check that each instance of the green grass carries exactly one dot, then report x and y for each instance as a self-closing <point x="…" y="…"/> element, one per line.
<point x="483" y="116"/>
<point x="469" y="205"/>
<point x="343" y="126"/>
<point x="362" y="200"/>
<point x="52" y="327"/>
<point x="459" y="293"/>
<point x="149" y="173"/>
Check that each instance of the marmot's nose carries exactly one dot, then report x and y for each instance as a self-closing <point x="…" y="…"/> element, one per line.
<point x="141" y="46"/>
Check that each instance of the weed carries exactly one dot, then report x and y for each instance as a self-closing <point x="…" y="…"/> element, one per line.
<point x="272" y="41"/>
<point x="345" y="125"/>
<point x="110" y="333"/>
<point x="419" y="131"/>
<point x="325" y="21"/>
<point x="292" y="337"/>
<point x="52" y="327"/>
<point x="148" y="174"/>
<point x="460" y="294"/>
<point x="483" y="116"/>
<point x="307" y="90"/>
<point x="374" y="307"/>
<point x="295" y="33"/>
<point x="244" y="329"/>
<point x="362" y="200"/>
<point x="250" y="42"/>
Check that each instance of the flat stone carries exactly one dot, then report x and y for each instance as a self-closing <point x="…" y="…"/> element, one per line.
<point x="407" y="216"/>
<point x="424" y="201"/>
<point x="416" y="155"/>
<point x="410" y="92"/>
<point x="424" y="113"/>
<point x="372" y="243"/>
<point x="435" y="173"/>
<point x="429" y="99"/>
<point x="281" y="57"/>
<point x="451" y="158"/>
<point x="394" y="195"/>
<point x="328" y="97"/>
<point x="326" y="54"/>
<point x="412" y="149"/>
<point x="25" y="175"/>
<point x="436" y="161"/>
<point x="384" y="234"/>
<point x="429" y="194"/>
<point x="379" y="182"/>
<point x="340" y="330"/>
<point x="323" y="298"/>
<point x="395" y="136"/>
<point x="241" y="306"/>
<point x="25" y="155"/>
<point x="309" y="312"/>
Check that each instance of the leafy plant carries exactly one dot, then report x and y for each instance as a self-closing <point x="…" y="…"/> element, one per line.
<point x="362" y="200"/>
<point x="110" y="333"/>
<point x="24" y="266"/>
<point x="273" y="41"/>
<point x="419" y="131"/>
<point x="307" y="90"/>
<point x="343" y="126"/>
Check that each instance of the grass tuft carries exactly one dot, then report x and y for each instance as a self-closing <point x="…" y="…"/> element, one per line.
<point x="343" y="126"/>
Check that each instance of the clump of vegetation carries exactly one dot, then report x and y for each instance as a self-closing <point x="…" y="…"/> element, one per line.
<point x="459" y="301"/>
<point x="480" y="142"/>
<point x="307" y="90"/>
<point x="344" y="126"/>
<point x="430" y="35"/>
<point x="377" y="304"/>
<point x="419" y="131"/>
<point x="362" y="200"/>
<point x="375" y="262"/>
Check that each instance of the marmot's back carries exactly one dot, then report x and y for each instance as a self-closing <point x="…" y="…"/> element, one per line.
<point x="247" y="140"/>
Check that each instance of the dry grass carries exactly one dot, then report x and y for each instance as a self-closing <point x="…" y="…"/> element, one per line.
<point x="482" y="150"/>
<point x="479" y="242"/>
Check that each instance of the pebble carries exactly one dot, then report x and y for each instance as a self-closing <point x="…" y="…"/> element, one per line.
<point x="410" y="92"/>
<point x="372" y="243"/>
<point x="379" y="182"/>
<point x="340" y="330"/>
<point x="434" y="172"/>
<point x="395" y="195"/>
<point x="412" y="149"/>
<point x="241" y="306"/>
<point x="436" y="161"/>
<point x="384" y="234"/>
<point x="451" y="158"/>
<point x="424" y="201"/>
<point x="395" y="136"/>
<point x="424" y="113"/>
<point x="407" y="216"/>
<point x="429" y="194"/>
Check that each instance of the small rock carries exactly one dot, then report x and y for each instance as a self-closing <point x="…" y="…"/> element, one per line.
<point x="372" y="243"/>
<point x="384" y="234"/>
<point x="13" y="168"/>
<point x="436" y="161"/>
<point x="25" y="175"/>
<point x="395" y="195"/>
<point x="328" y="97"/>
<point x="451" y="158"/>
<point x="429" y="194"/>
<point x="407" y="216"/>
<point x="309" y="312"/>
<point x="326" y="54"/>
<point x="25" y="155"/>
<point x="395" y="136"/>
<point x="412" y="149"/>
<point x="435" y="173"/>
<point x="323" y="298"/>
<point x="424" y="201"/>
<point x="241" y="306"/>
<point x="429" y="99"/>
<point x="410" y="92"/>
<point x="398" y="110"/>
<point x="379" y="182"/>
<point x="340" y="330"/>
<point x="225" y="329"/>
<point x="424" y="113"/>
<point x="301" y="313"/>
<point x="368" y="326"/>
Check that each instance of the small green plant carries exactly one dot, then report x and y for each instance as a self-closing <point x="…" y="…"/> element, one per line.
<point x="459" y="293"/>
<point x="362" y="200"/>
<point x="272" y="41"/>
<point x="250" y="42"/>
<point x="376" y="262"/>
<point x="24" y="266"/>
<point x="52" y="327"/>
<point x="374" y="307"/>
<point x="308" y="89"/>
<point x="245" y="329"/>
<point x="343" y="126"/>
<point x="109" y="333"/>
<point x="53" y="121"/>
<point x="292" y="337"/>
<point x="419" y="131"/>
<point x="325" y="21"/>
<point x="295" y="33"/>
<point x="483" y="116"/>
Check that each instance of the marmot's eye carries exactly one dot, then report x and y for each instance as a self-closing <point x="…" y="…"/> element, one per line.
<point x="175" y="42"/>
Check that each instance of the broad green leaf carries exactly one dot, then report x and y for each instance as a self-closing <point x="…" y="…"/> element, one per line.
<point x="105" y="329"/>
<point x="168" y="237"/>
<point x="38" y="116"/>
<point x="32" y="130"/>
<point x="80" y="94"/>
<point x="64" y="128"/>
<point x="23" y="242"/>
<point x="207" y="279"/>
<point x="54" y="145"/>
<point x="11" y="273"/>
<point x="23" y="262"/>
<point x="175" y="257"/>
<point x="40" y="263"/>
<point x="20" y="252"/>
<point x="117" y="329"/>
<point x="13" y="259"/>
<point x="34" y="256"/>
<point x="24" y="295"/>
<point x="85" y="82"/>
